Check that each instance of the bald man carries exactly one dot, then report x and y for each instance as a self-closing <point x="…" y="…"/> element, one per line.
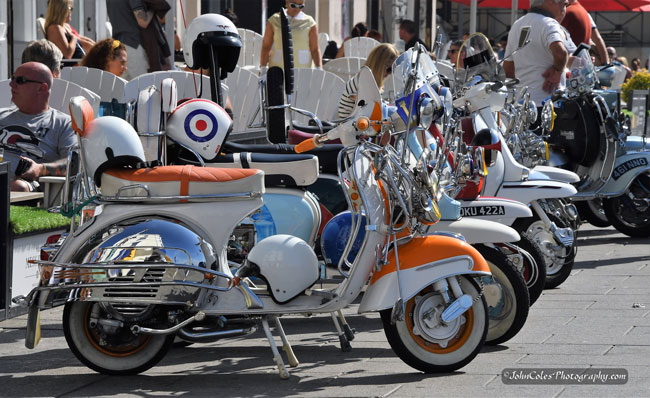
<point x="33" y="131"/>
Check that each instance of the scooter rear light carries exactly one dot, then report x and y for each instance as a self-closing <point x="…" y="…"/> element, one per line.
<point x="52" y="244"/>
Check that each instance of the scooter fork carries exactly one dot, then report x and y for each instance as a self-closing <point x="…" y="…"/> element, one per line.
<point x="563" y="235"/>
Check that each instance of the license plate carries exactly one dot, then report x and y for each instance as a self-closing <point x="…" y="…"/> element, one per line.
<point x="478" y="211"/>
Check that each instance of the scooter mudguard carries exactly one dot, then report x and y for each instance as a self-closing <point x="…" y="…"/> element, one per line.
<point x="553" y="173"/>
<point x="504" y="211"/>
<point x="477" y="231"/>
<point x="626" y="169"/>
<point x="527" y="191"/>
<point x="422" y="261"/>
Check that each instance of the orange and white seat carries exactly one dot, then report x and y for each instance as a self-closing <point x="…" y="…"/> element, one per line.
<point x="167" y="181"/>
<point x="188" y="180"/>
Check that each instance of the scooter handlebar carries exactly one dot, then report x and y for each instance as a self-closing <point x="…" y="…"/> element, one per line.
<point x="308" y="145"/>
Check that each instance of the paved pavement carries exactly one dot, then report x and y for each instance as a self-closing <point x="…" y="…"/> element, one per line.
<point x="599" y="318"/>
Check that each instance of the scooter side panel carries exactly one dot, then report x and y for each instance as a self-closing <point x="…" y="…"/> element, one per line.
<point x="293" y="212"/>
<point x="626" y="169"/>
<point x="637" y="144"/>
<point x="212" y="220"/>
<point x="423" y="261"/>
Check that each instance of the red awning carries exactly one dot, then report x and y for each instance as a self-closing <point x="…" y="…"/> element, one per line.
<point x="589" y="5"/>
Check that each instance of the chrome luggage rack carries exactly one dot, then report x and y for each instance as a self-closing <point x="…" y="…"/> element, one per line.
<point x="174" y="198"/>
<point x="80" y="280"/>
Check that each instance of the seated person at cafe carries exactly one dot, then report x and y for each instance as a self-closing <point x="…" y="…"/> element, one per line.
<point x="32" y="131"/>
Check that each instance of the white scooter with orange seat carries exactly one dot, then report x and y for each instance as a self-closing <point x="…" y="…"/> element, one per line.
<point x="152" y="260"/>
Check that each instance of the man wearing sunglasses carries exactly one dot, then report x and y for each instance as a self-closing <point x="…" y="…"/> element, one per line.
<point x="304" y="34"/>
<point x="36" y="138"/>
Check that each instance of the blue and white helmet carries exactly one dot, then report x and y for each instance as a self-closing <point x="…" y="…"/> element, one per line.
<point x="201" y="125"/>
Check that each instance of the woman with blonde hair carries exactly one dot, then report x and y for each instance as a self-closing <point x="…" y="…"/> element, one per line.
<point x="59" y="31"/>
<point x="380" y="61"/>
<point x="109" y="55"/>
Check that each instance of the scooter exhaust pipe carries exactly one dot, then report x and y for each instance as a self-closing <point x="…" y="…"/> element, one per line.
<point x="203" y="337"/>
<point x="137" y="329"/>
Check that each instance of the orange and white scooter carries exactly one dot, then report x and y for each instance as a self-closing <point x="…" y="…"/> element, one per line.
<point x="152" y="260"/>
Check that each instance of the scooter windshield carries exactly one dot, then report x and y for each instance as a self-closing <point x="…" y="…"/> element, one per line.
<point x="476" y="58"/>
<point x="582" y="78"/>
<point x="421" y="64"/>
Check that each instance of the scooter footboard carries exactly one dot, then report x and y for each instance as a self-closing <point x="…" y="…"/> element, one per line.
<point x="133" y="283"/>
<point x="422" y="261"/>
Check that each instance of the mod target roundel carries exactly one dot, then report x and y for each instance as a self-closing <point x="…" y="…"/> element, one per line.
<point x="200" y="125"/>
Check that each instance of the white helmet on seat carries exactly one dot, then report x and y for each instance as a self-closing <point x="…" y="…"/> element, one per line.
<point x="211" y="30"/>
<point x="110" y="142"/>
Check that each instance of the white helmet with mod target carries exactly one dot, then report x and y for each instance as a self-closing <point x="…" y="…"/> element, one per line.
<point x="200" y="125"/>
<point x="211" y="30"/>
<point x="110" y="142"/>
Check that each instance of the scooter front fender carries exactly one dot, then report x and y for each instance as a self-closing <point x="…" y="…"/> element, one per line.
<point x="626" y="169"/>
<point x="477" y="231"/>
<point x="527" y="191"/>
<point x="553" y="173"/>
<point x="422" y="261"/>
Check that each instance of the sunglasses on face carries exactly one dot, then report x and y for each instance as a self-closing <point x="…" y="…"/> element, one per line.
<point x="20" y="80"/>
<point x="452" y="50"/>
<point x="298" y="6"/>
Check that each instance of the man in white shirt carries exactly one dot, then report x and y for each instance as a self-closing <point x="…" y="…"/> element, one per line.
<point x="540" y="64"/>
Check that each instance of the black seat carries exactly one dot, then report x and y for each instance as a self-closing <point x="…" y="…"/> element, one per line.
<point x="327" y="154"/>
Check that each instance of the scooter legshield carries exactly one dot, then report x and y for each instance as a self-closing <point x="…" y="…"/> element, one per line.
<point x="626" y="169"/>
<point x="422" y="261"/>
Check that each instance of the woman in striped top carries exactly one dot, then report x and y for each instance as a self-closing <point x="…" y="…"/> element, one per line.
<point x="380" y="61"/>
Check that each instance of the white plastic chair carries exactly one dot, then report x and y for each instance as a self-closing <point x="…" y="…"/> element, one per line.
<point x="184" y="82"/>
<point x="359" y="46"/>
<point x="243" y="87"/>
<point x="103" y="83"/>
<point x="316" y="91"/>
<point x="323" y="40"/>
<point x="60" y="94"/>
<point x="344" y="67"/>
<point x="249" y="56"/>
<point x="40" y="28"/>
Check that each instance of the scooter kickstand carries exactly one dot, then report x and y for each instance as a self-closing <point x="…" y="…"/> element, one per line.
<point x="345" y="343"/>
<point x="286" y="346"/>
<point x="284" y="374"/>
<point x="349" y="332"/>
